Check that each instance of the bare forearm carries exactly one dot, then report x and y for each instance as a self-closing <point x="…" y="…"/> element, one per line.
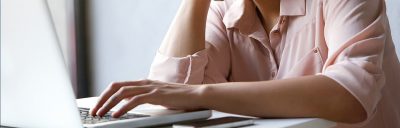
<point x="186" y="34"/>
<point x="311" y="96"/>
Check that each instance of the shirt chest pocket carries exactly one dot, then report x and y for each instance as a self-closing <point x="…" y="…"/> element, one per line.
<point x="310" y="64"/>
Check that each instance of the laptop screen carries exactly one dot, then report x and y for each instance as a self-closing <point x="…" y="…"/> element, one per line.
<point x="35" y="83"/>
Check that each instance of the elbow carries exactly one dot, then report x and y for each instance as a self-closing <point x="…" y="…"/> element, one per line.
<point x="344" y="107"/>
<point x="349" y="110"/>
<point x="352" y="111"/>
<point x="357" y="115"/>
<point x="351" y="114"/>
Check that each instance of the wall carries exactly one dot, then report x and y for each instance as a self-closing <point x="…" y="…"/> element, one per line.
<point x="127" y="33"/>
<point x="393" y="11"/>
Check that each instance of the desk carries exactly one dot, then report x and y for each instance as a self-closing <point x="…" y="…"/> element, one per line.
<point x="284" y="123"/>
<point x="259" y="123"/>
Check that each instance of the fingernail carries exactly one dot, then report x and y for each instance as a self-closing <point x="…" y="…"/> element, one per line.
<point x="115" y="114"/>
<point x="92" y="113"/>
<point x="99" y="112"/>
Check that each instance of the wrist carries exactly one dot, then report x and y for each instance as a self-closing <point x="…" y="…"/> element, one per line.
<point x="196" y="4"/>
<point x="202" y="94"/>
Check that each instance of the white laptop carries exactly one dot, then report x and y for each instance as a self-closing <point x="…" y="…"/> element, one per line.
<point x="36" y="89"/>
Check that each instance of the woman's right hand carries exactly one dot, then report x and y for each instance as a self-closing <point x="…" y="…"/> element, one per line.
<point x="170" y="95"/>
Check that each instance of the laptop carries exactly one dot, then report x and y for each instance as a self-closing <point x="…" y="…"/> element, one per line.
<point x="36" y="90"/>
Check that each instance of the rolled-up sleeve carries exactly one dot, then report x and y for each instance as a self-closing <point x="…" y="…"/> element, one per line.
<point x="210" y="65"/>
<point x="189" y="69"/>
<point x="355" y="37"/>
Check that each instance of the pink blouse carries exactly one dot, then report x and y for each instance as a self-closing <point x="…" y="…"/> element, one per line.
<point x="348" y="41"/>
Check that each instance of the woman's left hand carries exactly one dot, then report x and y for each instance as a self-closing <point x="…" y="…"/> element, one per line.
<point x="172" y="96"/>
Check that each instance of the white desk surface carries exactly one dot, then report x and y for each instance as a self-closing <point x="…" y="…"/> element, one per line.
<point x="258" y="123"/>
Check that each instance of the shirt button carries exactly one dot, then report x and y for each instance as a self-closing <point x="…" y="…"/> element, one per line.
<point x="315" y="51"/>
<point x="273" y="74"/>
<point x="282" y="20"/>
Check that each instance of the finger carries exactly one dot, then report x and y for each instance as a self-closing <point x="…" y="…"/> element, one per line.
<point x="111" y="89"/>
<point x="121" y="94"/>
<point x="135" y="101"/>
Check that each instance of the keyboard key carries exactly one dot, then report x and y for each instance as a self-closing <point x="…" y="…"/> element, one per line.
<point x="86" y="118"/>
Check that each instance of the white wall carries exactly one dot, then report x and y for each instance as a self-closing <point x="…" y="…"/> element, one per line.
<point x="393" y="11"/>
<point x="127" y="33"/>
<point x="125" y="37"/>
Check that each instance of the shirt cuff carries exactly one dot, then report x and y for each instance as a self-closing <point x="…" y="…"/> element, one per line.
<point x="187" y="70"/>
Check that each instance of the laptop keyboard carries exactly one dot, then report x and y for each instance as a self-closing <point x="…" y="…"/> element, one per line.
<point x="86" y="118"/>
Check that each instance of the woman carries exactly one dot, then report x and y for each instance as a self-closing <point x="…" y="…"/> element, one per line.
<point x="331" y="59"/>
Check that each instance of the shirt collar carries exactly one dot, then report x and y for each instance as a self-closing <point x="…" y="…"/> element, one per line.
<point x="293" y="7"/>
<point x="242" y="14"/>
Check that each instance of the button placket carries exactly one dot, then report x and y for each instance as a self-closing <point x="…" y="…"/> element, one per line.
<point x="276" y="33"/>
<point x="275" y="39"/>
